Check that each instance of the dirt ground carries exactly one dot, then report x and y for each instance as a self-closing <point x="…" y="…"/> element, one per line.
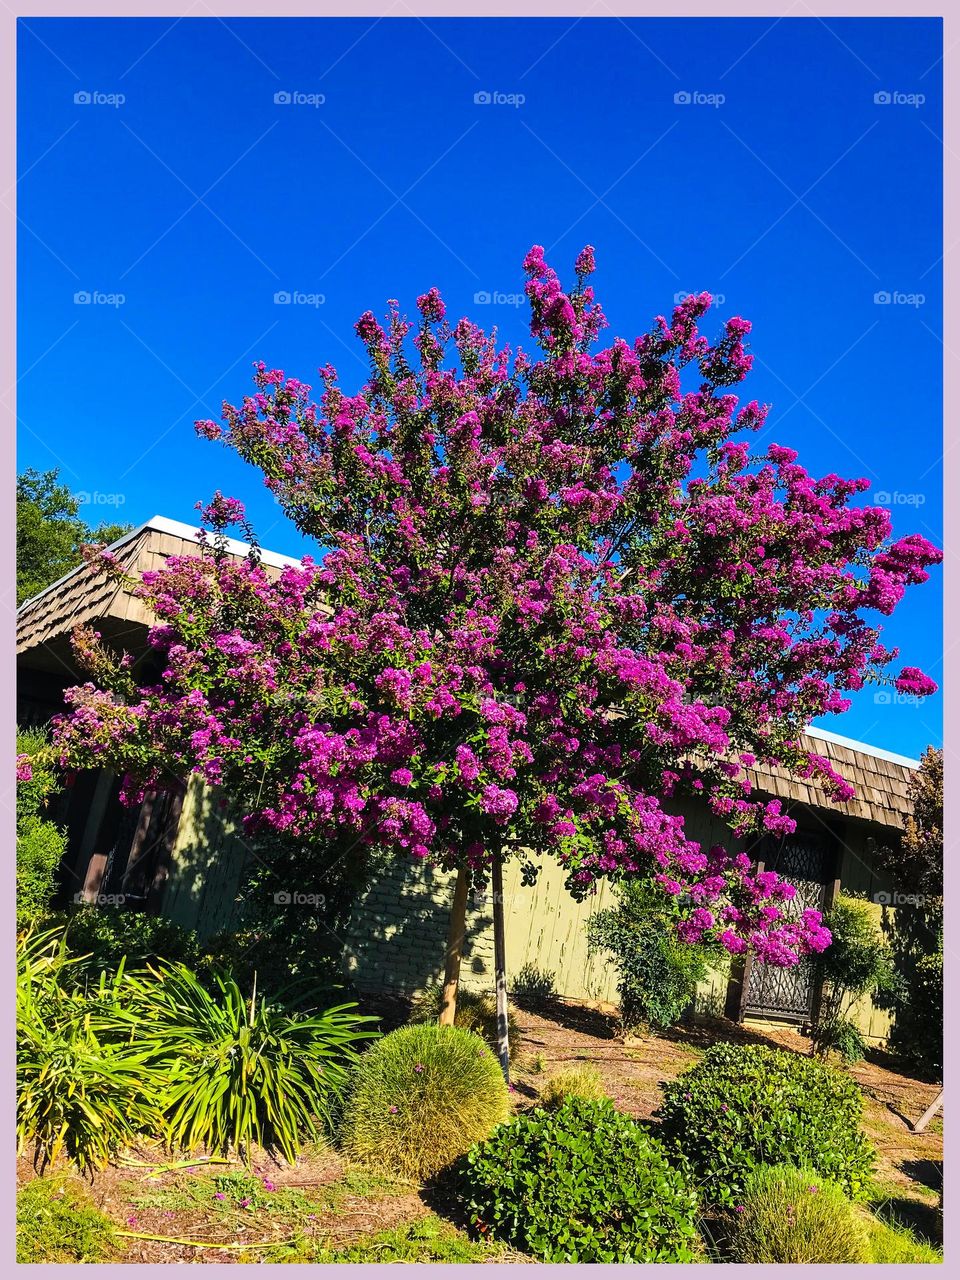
<point x="197" y="1207"/>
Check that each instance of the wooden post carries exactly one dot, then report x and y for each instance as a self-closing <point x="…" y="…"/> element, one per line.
<point x="930" y="1112"/>
<point x="456" y="933"/>
<point x="500" y="961"/>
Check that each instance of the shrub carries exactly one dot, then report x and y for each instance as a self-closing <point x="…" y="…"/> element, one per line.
<point x="105" y="937"/>
<point x="41" y="844"/>
<point x="82" y="1088"/>
<point x="476" y="1011"/>
<point x="242" y="1071"/>
<point x="657" y="973"/>
<point x="421" y="1097"/>
<point x="857" y="963"/>
<point x="792" y="1215"/>
<point x="842" y="1036"/>
<point x="742" y="1106"/>
<point x="582" y="1081"/>
<point x="57" y="1222"/>
<point x="533" y="985"/>
<point x="580" y="1184"/>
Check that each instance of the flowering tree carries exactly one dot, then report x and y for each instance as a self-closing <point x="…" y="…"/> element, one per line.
<point x="553" y="591"/>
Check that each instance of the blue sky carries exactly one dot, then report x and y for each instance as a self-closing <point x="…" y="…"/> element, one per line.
<point x="791" y="167"/>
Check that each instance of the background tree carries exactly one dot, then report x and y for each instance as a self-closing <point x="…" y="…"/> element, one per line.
<point x="553" y="590"/>
<point x="50" y="533"/>
<point x="858" y="963"/>
<point x="913" y="922"/>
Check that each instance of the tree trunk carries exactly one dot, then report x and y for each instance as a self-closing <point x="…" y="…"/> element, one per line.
<point x="455" y="935"/>
<point x="500" y="961"/>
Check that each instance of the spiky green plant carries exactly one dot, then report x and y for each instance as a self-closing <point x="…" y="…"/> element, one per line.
<point x="791" y="1214"/>
<point x="243" y="1070"/>
<point x="82" y="1089"/>
<point x="581" y="1081"/>
<point x="476" y="1011"/>
<point x="421" y="1097"/>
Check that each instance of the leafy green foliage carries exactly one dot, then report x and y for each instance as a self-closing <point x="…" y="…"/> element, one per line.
<point x="793" y="1215"/>
<point x="50" y="532"/>
<point x="107" y="937"/>
<point x="40" y="843"/>
<point x="915" y="929"/>
<point x="532" y="984"/>
<point x="580" y="1184"/>
<point x="242" y="1070"/>
<point x="857" y="963"/>
<point x="746" y="1105"/>
<point x="58" y="1222"/>
<point x="82" y="1089"/>
<point x="421" y="1097"/>
<point x="842" y="1036"/>
<point x="476" y="1011"/>
<point x="657" y="973"/>
<point x="583" y="1081"/>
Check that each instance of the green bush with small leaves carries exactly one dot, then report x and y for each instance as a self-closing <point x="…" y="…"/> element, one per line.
<point x="580" y="1184"/>
<point x="421" y="1097"/>
<point x="746" y="1105"/>
<point x="793" y="1215"/>
<point x="58" y="1222"/>
<point x="41" y="844"/>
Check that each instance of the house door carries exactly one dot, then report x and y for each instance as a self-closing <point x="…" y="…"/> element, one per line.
<point x="806" y="860"/>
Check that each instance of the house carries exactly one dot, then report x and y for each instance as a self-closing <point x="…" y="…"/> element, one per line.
<point x="178" y="855"/>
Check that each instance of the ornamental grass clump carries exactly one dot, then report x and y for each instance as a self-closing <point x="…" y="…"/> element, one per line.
<point x="581" y="1081"/>
<point x="243" y="1069"/>
<point x="421" y="1097"/>
<point x="793" y="1215"/>
<point x="476" y="1011"/>
<point x="748" y="1105"/>
<point x="580" y="1184"/>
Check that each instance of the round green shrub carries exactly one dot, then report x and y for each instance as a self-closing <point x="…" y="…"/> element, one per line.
<point x="420" y="1098"/>
<point x="582" y="1081"/>
<point x="580" y="1184"/>
<point x="747" y="1105"/>
<point x="476" y="1011"/>
<point x="793" y="1215"/>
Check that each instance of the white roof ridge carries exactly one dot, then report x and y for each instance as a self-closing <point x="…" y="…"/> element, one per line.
<point x="827" y="735"/>
<point x="163" y="524"/>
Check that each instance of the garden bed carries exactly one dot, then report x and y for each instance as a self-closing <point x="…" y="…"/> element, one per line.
<point x="322" y="1209"/>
